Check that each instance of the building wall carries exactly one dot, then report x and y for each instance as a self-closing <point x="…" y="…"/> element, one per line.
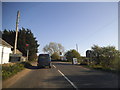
<point x="4" y="54"/>
<point x="0" y="54"/>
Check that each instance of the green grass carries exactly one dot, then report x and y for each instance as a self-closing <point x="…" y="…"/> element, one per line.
<point x="10" y="70"/>
<point x="101" y="68"/>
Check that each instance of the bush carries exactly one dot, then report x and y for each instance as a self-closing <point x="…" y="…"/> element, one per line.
<point x="72" y="54"/>
<point x="11" y="69"/>
<point x="33" y="57"/>
<point x="26" y="64"/>
<point x="84" y="62"/>
<point x="55" y="56"/>
<point x="116" y="64"/>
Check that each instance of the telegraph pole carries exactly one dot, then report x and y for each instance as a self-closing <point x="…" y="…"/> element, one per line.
<point x="17" y="21"/>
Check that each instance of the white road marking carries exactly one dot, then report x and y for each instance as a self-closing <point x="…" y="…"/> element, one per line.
<point x="68" y="80"/>
<point x="54" y="66"/>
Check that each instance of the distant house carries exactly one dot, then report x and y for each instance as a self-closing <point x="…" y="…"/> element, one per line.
<point x="63" y="58"/>
<point x="88" y="53"/>
<point x="5" y="51"/>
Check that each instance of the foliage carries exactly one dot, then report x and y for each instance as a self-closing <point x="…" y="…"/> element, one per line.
<point x="55" y="56"/>
<point x="53" y="47"/>
<point x="116" y="62"/>
<point x="107" y="57"/>
<point x="26" y="64"/>
<point x="10" y="70"/>
<point x="25" y="36"/>
<point x="9" y="36"/>
<point x="72" y="54"/>
<point x="84" y="61"/>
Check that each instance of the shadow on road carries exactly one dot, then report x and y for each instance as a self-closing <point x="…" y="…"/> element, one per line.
<point x="34" y="67"/>
<point x="88" y="81"/>
<point x="63" y="63"/>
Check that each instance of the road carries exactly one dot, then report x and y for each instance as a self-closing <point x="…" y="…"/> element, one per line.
<point x="62" y="75"/>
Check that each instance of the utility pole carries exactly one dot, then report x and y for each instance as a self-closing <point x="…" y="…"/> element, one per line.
<point x="77" y="47"/>
<point x="17" y="21"/>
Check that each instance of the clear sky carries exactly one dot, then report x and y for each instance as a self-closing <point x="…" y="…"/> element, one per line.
<point x="68" y="23"/>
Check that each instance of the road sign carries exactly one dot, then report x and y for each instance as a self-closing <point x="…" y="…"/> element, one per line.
<point x="27" y="45"/>
<point x="75" y="61"/>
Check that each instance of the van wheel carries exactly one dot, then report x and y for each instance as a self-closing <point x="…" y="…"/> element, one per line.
<point x="49" y="66"/>
<point x="38" y="67"/>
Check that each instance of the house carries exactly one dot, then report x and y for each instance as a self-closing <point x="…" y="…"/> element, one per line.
<point x="88" y="53"/>
<point x="5" y="51"/>
<point x="17" y="57"/>
<point x="63" y="58"/>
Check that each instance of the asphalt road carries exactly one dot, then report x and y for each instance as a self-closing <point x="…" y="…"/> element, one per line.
<point x="62" y="75"/>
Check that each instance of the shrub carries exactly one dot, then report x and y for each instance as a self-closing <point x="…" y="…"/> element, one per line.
<point x="33" y="57"/>
<point x="84" y="61"/>
<point x="26" y="64"/>
<point x="11" y="69"/>
<point x="55" y="56"/>
<point x="72" y="54"/>
<point x="116" y="64"/>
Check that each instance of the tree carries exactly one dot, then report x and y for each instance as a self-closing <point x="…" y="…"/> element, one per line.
<point x="116" y="61"/>
<point x="72" y="54"/>
<point x="53" y="48"/>
<point x="55" y="56"/>
<point x="105" y="56"/>
<point x="9" y="36"/>
<point x="25" y="36"/>
<point x="96" y="52"/>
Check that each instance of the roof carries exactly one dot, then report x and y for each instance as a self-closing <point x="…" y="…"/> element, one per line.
<point x="4" y="43"/>
<point x="18" y="52"/>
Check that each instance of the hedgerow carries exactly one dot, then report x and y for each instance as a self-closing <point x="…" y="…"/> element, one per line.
<point x="11" y="69"/>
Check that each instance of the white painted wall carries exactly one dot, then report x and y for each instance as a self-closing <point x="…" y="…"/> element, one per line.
<point x="4" y="54"/>
<point x="0" y="54"/>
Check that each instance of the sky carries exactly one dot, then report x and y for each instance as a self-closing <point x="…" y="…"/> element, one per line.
<point x="69" y="23"/>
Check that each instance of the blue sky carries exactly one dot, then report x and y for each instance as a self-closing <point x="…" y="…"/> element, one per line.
<point x="68" y="23"/>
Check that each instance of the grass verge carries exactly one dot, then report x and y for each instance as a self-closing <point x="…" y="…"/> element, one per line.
<point x="101" y="68"/>
<point x="9" y="70"/>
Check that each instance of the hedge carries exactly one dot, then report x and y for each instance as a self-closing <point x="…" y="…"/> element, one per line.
<point x="11" y="69"/>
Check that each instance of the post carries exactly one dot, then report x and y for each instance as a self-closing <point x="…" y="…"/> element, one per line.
<point x="27" y="54"/>
<point x="77" y="47"/>
<point x="17" y="21"/>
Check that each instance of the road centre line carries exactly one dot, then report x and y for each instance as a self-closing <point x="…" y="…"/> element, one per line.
<point x="68" y="80"/>
<point x="54" y="66"/>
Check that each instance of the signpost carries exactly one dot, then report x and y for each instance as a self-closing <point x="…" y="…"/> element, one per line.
<point x="27" y="51"/>
<point x="75" y="61"/>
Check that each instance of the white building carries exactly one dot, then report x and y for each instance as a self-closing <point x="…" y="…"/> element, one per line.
<point x="5" y="50"/>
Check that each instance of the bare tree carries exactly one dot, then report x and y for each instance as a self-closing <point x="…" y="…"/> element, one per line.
<point x="53" y="48"/>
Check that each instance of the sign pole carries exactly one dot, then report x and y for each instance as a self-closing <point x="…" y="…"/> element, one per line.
<point x="27" y="54"/>
<point x="27" y="51"/>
